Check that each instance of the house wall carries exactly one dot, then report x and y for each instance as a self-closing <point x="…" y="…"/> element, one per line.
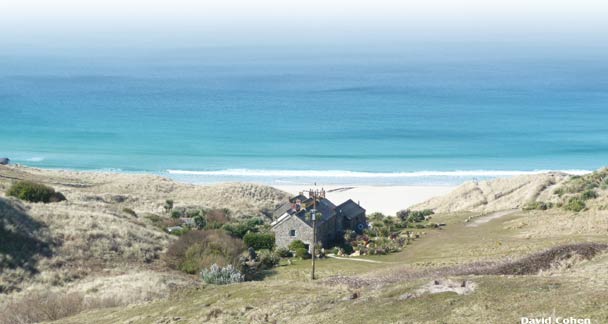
<point x="329" y="232"/>
<point x="281" y="232"/>
<point x="360" y="219"/>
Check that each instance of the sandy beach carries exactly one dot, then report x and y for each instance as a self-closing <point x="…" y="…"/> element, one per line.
<point x="385" y="199"/>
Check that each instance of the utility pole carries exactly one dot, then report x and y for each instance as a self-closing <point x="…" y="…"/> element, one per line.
<point x="314" y="239"/>
<point x="314" y="234"/>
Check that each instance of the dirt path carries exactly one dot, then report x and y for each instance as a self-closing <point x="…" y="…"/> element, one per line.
<point x="351" y="259"/>
<point x="490" y="217"/>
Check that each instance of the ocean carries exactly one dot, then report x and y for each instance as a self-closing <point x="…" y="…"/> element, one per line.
<point x="339" y="116"/>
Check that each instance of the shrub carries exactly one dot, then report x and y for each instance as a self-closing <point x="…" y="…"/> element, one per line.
<point x="575" y="204"/>
<point x="348" y="249"/>
<point x="283" y="252"/>
<point x="376" y="216"/>
<point x="297" y="244"/>
<point x="589" y="194"/>
<point x="176" y="214"/>
<point x="34" y="192"/>
<point x="129" y="211"/>
<point x="168" y="205"/>
<point x="240" y="229"/>
<point x="259" y="241"/>
<point x="403" y="214"/>
<point x="419" y="215"/>
<point x="268" y="259"/>
<point x="192" y="213"/>
<point x="200" y="221"/>
<point x="559" y="191"/>
<point x="350" y="236"/>
<point x="538" y="205"/>
<point x="302" y="253"/>
<point x="217" y="275"/>
<point x="196" y="250"/>
<point x="216" y="218"/>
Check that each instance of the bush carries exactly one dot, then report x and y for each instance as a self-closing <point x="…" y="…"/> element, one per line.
<point x="403" y="214"/>
<point x="268" y="259"/>
<point x="348" y="249"/>
<point x="297" y="244"/>
<point x="168" y="205"/>
<point x="575" y="204"/>
<point x="192" y="213"/>
<point x="376" y="216"/>
<point x="589" y="194"/>
<point x="200" y="221"/>
<point x="538" y="205"/>
<point x="259" y="241"/>
<point x="350" y="236"/>
<point x="129" y="211"/>
<point x="217" y="275"/>
<point x="284" y="252"/>
<point x="419" y="215"/>
<point x="34" y="192"/>
<point x="216" y="218"/>
<point x="302" y="253"/>
<point x="240" y="229"/>
<point x="196" y="250"/>
<point x="559" y="191"/>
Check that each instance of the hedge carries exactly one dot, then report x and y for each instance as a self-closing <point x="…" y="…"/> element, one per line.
<point x="259" y="241"/>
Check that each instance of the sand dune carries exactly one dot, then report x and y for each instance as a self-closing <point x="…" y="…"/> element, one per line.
<point x="498" y="194"/>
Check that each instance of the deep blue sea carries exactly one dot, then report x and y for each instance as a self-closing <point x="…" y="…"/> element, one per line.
<point x="335" y="116"/>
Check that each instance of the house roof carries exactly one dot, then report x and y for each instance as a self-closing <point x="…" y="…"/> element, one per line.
<point x="281" y="210"/>
<point x="349" y="209"/>
<point x="323" y="206"/>
<point x="300" y="197"/>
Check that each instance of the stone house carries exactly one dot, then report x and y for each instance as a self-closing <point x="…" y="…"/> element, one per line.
<point x="293" y="220"/>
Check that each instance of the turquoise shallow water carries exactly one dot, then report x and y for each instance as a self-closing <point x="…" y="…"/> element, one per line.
<point x="339" y="117"/>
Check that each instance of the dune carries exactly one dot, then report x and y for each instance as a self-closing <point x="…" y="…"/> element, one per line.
<point x="498" y="194"/>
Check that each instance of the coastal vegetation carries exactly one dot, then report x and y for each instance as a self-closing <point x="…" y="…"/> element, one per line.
<point x="34" y="192"/>
<point x="199" y="249"/>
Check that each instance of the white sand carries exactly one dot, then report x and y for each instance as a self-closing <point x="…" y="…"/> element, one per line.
<point x="385" y="199"/>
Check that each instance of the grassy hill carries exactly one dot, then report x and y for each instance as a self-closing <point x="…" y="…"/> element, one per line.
<point x="106" y="237"/>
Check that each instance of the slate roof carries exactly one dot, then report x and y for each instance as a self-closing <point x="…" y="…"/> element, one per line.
<point x="349" y="209"/>
<point x="300" y="197"/>
<point x="281" y="210"/>
<point x="324" y="207"/>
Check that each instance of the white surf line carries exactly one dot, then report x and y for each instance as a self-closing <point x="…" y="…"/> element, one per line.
<point x="350" y="259"/>
<point x="490" y="217"/>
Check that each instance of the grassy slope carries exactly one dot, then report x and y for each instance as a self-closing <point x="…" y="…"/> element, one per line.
<point x="89" y="245"/>
<point x="288" y="296"/>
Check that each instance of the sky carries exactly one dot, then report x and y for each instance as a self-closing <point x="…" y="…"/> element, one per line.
<point x="150" y="23"/>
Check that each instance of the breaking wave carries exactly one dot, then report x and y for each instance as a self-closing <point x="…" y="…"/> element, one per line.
<point x="358" y="174"/>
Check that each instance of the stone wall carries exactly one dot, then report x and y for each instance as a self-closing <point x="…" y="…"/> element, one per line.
<point x="303" y="232"/>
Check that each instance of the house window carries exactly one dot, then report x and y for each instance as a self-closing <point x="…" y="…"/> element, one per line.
<point x="292" y="233"/>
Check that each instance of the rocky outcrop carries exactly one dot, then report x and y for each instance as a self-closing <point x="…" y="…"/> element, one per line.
<point x="4" y="161"/>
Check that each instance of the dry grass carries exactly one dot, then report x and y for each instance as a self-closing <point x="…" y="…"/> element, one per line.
<point x="197" y="250"/>
<point x="529" y="265"/>
<point x="89" y="237"/>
